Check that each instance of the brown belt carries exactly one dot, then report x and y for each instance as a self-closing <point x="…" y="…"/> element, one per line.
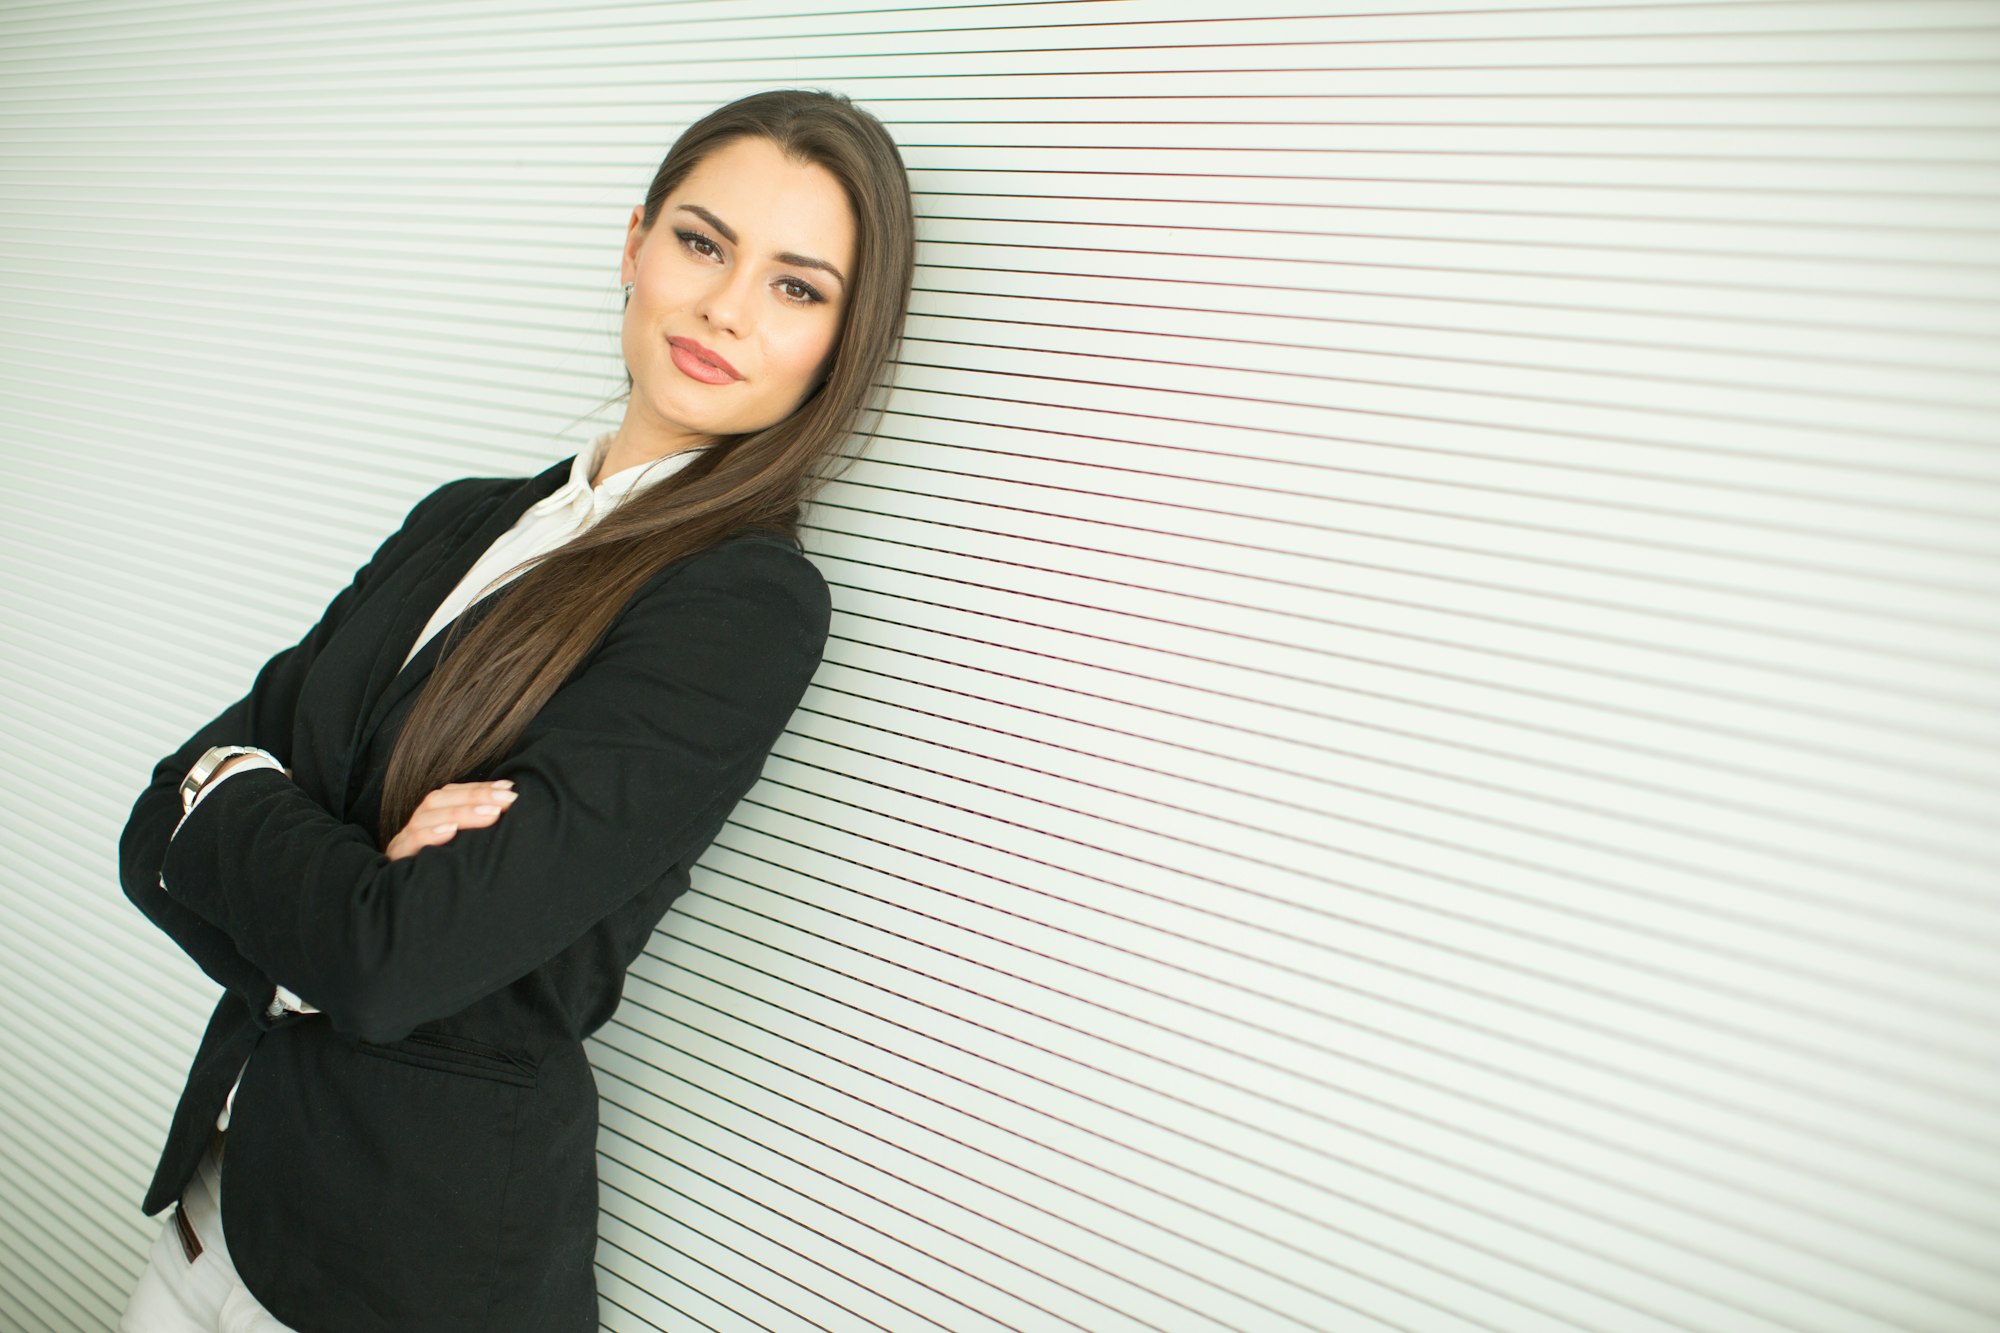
<point x="190" y="1242"/>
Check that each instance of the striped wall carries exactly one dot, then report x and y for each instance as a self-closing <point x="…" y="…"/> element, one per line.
<point x="1412" y="722"/>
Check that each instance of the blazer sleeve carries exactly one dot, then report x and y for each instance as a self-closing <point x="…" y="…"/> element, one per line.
<point x="263" y="718"/>
<point x="622" y="777"/>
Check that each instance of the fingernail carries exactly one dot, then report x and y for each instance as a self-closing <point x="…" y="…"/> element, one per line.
<point x="504" y="782"/>
<point x="447" y="828"/>
<point x="485" y="809"/>
<point x="506" y="795"/>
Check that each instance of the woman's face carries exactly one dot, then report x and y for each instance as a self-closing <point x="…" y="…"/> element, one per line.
<point x="748" y="262"/>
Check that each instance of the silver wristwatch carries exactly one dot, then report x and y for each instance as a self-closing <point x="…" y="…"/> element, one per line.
<point x="204" y="768"/>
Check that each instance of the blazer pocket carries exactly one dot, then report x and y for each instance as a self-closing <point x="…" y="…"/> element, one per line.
<point x="456" y="1055"/>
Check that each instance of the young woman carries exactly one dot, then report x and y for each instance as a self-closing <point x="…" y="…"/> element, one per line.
<point x="455" y="812"/>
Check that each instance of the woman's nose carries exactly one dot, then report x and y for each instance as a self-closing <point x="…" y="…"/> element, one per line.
<point x="726" y="303"/>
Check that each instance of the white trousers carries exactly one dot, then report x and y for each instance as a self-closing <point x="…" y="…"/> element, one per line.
<point x="206" y="1296"/>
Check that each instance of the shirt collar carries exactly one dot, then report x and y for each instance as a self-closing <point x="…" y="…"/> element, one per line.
<point x="577" y="493"/>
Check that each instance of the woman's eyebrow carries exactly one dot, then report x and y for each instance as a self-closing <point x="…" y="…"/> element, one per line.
<point x="783" y="257"/>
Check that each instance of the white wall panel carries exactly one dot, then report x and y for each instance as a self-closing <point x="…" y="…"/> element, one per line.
<point x="1413" y="710"/>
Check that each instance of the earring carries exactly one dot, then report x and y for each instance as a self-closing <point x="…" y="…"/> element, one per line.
<point x="628" y="290"/>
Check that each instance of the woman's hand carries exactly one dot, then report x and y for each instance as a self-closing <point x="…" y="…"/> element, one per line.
<point x="444" y="812"/>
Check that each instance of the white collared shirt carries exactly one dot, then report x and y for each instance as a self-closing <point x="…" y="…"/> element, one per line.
<point x="549" y="522"/>
<point x="572" y="508"/>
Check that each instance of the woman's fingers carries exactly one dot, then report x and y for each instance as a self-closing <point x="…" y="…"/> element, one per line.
<point x="445" y="810"/>
<point x="465" y="809"/>
<point x="459" y="798"/>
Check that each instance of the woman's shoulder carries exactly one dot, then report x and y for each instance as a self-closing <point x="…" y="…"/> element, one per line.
<point x="758" y="553"/>
<point x="753" y="567"/>
<point x="461" y="491"/>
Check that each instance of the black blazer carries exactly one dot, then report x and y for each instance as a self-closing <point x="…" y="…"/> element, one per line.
<point x="421" y="1155"/>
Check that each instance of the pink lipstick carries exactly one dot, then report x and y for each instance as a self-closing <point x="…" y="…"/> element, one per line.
<point x="697" y="362"/>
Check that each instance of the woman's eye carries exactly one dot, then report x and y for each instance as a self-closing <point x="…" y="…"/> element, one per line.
<point x="693" y="239"/>
<point x="799" y="291"/>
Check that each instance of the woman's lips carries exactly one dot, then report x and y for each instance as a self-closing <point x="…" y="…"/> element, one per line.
<point x="697" y="362"/>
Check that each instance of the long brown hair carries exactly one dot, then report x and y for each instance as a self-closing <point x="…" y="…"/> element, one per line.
<point x="491" y="681"/>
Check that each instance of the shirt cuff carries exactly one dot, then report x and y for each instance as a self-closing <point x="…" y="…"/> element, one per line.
<point x="254" y="757"/>
<point x="292" y="1002"/>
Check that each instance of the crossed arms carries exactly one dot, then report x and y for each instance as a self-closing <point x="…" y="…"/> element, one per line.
<point x="263" y="718"/>
<point x="663" y="728"/>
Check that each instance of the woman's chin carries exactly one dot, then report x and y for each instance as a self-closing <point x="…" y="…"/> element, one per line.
<point x="681" y="410"/>
<point x="680" y="417"/>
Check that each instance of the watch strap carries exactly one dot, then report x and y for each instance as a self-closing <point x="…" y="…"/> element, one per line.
<point x="204" y="769"/>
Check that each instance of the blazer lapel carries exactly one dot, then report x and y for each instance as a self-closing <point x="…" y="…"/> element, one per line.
<point x="389" y="679"/>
